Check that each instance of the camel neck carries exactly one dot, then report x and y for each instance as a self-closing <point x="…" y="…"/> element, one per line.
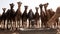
<point x="25" y="10"/>
<point x="45" y="9"/>
<point x="11" y="8"/>
<point x="36" y="10"/>
<point x="41" y="9"/>
<point x="19" y="7"/>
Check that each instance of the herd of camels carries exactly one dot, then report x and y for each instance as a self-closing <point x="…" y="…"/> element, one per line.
<point x="48" y="17"/>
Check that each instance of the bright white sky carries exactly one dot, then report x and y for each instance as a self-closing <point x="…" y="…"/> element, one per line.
<point x="31" y="3"/>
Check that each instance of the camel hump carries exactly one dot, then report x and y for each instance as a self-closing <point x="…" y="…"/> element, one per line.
<point x="58" y="11"/>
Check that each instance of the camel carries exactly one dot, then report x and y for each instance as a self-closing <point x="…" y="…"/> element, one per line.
<point x="47" y="15"/>
<point x="3" y="17"/>
<point x="10" y="16"/>
<point x="31" y="17"/>
<point x="42" y="16"/>
<point x="56" y="21"/>
<point x="18" y="16"/>
<point x="54" y="17"/>
<point x="36" y="16"/>
<point x="24" y="17"/>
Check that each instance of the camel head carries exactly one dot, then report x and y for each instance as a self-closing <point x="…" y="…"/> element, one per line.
<point x="4" y="9"/>
<point x="26" y="7"/>
<point x="41" y="5"/>
<point x="11" y="5"/>
<point x="19" y="4"/>
<point x="46" y="5"/>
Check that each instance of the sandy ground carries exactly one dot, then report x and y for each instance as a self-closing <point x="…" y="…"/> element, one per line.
<point x="40" y="31"/>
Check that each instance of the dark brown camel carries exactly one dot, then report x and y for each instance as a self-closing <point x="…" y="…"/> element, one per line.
<point x="10" y="15"/>
<point x="18" y="14"/>
<point x="42" y="15"/>
<point x="3" y="17"/>
<point x="47" y="15"/>
<point x="24" y="17"/>
<point x="30" y="17"/>
<point x="36" y="16"/>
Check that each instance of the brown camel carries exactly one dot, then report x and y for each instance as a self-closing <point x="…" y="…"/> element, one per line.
<point x="54" y="17"/>
<point x="42" y="15"/>
<point x="24" y="17"/>
<point x="51" y="13"/>
<point x="36" y="16"/>
<point x="47" y="15"/>
<point x="18" y="14"/>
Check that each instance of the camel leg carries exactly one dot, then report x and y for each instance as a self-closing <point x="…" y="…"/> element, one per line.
<point x="29" y="23"/>
<point x="17" y="24"/>
<point x="57" y="24"/>
<point x="42" y="24"/>
<point x="22" y="22"/>
<point x="4" y="24"/>
<point x="7" y="23"/>
<point x="38" y="24"/>
<point x="11" y="24"/>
